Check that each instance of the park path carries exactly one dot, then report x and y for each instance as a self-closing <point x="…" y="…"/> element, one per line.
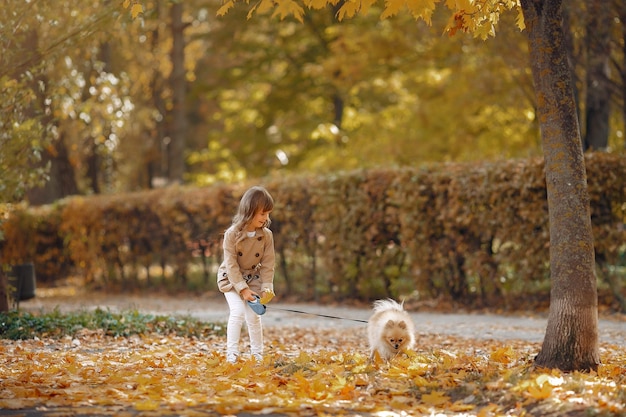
<point x="213" y="307"/>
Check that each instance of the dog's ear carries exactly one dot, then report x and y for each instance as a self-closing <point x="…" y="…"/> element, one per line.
<point x="402" y="325"/>
<point x="390" y="324"/>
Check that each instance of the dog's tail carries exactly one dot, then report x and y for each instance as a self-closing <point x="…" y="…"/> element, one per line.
<point x="388" y="304"/>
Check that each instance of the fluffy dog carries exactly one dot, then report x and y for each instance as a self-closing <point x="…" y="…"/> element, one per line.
<point x="390" y="329"/>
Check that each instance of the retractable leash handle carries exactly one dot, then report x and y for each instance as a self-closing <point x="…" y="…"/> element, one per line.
<point x="256" y="306"/>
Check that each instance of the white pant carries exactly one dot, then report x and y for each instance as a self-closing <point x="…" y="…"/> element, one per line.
<point x="240" y="310"/>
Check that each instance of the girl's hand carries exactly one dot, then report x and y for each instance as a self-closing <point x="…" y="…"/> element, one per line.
<point x="248" y="295"/>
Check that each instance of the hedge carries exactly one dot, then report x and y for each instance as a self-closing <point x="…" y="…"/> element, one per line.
<point x="470" y="232"/>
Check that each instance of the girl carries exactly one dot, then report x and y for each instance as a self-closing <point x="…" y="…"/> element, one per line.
<point x="248" y="269"/>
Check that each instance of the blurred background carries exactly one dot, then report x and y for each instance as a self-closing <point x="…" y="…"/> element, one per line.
<point x="126" y="141"/>
<point x="95" y="102"/>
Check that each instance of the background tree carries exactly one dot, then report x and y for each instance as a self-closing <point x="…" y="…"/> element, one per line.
<point x="399" y="83"/>
<point x="598" y="100"/>
<point x="26" y="134"/>
<point x="571" y="340"/>
<point x="262" y="98"/>
<point x="594" y="37"/>
<point x="178" y="83"/>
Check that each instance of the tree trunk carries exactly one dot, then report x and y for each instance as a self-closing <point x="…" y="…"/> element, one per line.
<point x="569" y="34"/>
<point x="622" y="17"/>
<point x="4" y="294"/>
<point x="155" y="158"/>
<point x="62" y="181"/>
<point x="571" y="340"/>
<point x="598" y="103"/>
<point x="176" y="157"/>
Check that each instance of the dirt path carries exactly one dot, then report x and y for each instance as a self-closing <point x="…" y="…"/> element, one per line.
<point x="213" y="307"/>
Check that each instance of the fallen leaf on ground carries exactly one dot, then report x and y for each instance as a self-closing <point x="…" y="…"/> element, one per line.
<point x="303" y="372"/>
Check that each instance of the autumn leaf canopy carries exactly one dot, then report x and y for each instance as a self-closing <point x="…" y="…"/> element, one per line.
<point x="477" y="17"/>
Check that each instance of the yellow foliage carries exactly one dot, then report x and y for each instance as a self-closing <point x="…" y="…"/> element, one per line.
<point x="267" y="296"/>
<point x="160" y="374"/>
<point x="478" y="17"/>
<point x="316" y="4"/>
<point x="349" y="9"/>
<point x="422" y="9"/>
<point x="436" y="398"/>
<point x="392" y="7"/>
<point x="503" y="355"/>
<point x="136" y="10"/>
<point x="539" y="392"/>
<point x="265" y="6"/>
<point x="285" y="8"/>
<point x="225" y="7"/>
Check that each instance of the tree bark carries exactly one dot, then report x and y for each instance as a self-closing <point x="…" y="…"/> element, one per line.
<point x="598" y="101"/>
<point x="571" y="339"/>
<point x="62" y="181"/>
<point x="176" y="157"/>
<point x="622" y="17"/>
<point x="4" y="294"/>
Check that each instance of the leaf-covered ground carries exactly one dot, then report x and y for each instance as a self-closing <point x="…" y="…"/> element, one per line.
<point x="304" y="372"/>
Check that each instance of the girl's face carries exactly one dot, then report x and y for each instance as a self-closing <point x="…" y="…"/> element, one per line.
<point x="258" y="220"/>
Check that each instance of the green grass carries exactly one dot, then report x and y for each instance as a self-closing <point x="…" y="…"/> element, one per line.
<point x="17" y="325"/>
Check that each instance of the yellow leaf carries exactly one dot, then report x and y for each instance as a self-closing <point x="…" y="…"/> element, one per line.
<point x="540" y="392"/>
<point x="286" y="8"/>
<point x="268" y="295"/>
<point x="392" y="7"/>
<point x="126" y="4"/>
<point x="422" y="9"/>
<point x="459" y="406"/>
<point x="348" y="10"/>
<point x="361" y="380"/>
<point x="488" y="410"/>
<point x="376" y="359"/>
<point x="303" y="358"/>
<point x="519" y="21"/>
<point x="263" y="7"/>
<point x="503" y="355"/>
<point x="136" y="10"/>
<point x="316" y="4"/>
<point x="366" y="5"/>
<point x="225" y="8"/>
<point x="435" y="398"/>
<point x="147" y="405"/>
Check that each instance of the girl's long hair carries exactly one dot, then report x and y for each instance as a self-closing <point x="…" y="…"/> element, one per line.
<point x="254" y="199"/>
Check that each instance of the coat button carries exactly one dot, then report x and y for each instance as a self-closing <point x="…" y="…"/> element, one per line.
<point x="240" y="254"/>
<point x="259" y="238"/>
<point x="257" y="255"/>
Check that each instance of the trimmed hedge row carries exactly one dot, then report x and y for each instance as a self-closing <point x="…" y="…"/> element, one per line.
<point x="474" y="232"/>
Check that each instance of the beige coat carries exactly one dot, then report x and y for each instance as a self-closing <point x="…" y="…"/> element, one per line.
<point x="248" y="261"/>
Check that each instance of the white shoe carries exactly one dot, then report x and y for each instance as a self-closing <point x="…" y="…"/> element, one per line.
<point x="231" y="358"/>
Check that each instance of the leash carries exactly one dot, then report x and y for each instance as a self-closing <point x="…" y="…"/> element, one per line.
<point x="318" y="315"/>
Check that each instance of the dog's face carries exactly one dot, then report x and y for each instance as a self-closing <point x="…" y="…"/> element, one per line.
<point x="395" y="334"/>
